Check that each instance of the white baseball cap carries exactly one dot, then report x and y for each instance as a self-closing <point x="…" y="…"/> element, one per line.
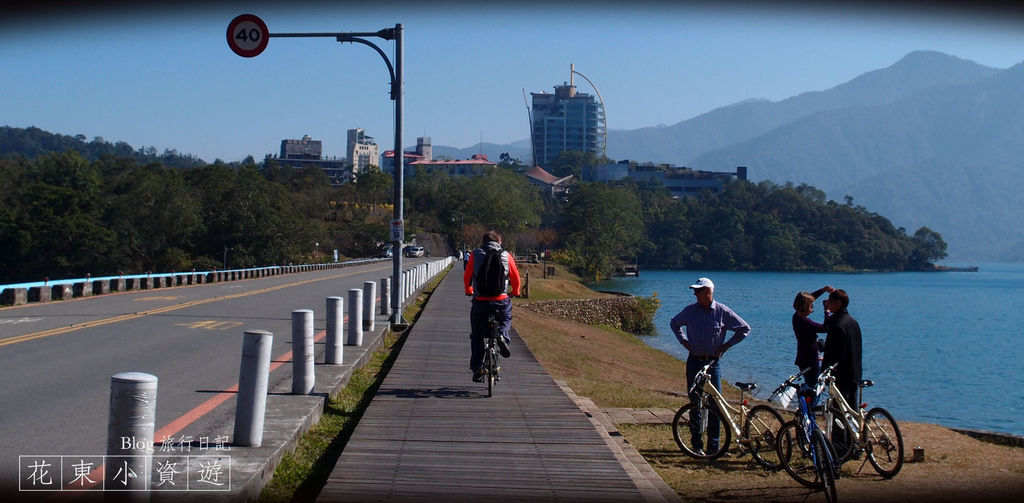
<point x="703" y="283"/>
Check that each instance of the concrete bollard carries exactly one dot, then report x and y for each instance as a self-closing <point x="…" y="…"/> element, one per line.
<point x="82" y="289"/>
<point x="369" y="304"/>
<point x="385" y="296"/>
<point x="14" y="296"/>
<point x="303" y="375"/>
<point x="62" y="292"/>
<point x="39" y="294"/>
<point x="253" y="376"/>
<point x="101" y="287"/>
<point x="334" y="340"/>
<point x="355" y="317"/>
<point x="130" y="428"/>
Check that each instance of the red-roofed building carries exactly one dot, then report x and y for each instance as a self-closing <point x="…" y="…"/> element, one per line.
<point x="478" y="164"/>
<point x="423" y="152"/>
<point x="537" y="176"/>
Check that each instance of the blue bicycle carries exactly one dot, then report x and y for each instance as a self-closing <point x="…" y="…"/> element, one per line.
<point x="804" y="451"/>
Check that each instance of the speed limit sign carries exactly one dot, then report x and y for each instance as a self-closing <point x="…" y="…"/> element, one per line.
<point x="247" y="35"/>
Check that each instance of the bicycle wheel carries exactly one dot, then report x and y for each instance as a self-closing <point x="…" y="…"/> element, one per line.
<point x="760" y="430"/>
<point x="842" y="440"/>
<point x="884" y="441"/>
<point x="825" y="468"/>
<point x="488" y="368"/>
<point x="795" y="454"/>
<point x="693" y="436"/>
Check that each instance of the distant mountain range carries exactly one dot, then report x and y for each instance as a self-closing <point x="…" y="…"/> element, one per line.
<point x="518" y="150"/>
<point x="932" y="140"/>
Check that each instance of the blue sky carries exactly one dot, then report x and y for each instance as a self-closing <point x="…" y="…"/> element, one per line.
<point x="163" y="77"/>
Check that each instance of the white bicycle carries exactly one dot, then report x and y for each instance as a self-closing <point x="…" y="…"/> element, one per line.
<point x="761" y="424"/>
<point x="854" y="431"/>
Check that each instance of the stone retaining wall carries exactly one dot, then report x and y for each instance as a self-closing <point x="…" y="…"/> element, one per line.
<point x="607" y="311"/>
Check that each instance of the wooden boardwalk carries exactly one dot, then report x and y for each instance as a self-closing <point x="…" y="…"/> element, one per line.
<point x="431" y="434"/>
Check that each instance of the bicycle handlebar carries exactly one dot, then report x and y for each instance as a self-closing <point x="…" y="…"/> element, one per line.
<point x="826" y="372"/>
<point x="701" y="374"/>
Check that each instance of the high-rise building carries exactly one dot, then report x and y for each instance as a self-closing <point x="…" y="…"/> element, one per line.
<point x="362" y="151"/>
<point x="566" y="121"/>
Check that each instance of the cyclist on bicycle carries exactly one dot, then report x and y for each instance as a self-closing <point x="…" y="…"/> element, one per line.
<point x="489" y="272"/>
<point x="706" y="323"/>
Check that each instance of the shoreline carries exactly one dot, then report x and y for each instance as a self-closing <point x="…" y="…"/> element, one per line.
<point x="987" y="435"/>
<point x="764" y="299"/>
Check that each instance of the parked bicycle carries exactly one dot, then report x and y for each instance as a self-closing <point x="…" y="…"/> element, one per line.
<point x="804" y="450"/>
<point x="787" y="390"/>
<point x="760" y="423"/>
<point x="854" y="431"/>
<point x="491" y="369"/>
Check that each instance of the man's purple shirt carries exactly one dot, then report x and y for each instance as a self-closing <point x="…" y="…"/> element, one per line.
<point x="705" y="328"/>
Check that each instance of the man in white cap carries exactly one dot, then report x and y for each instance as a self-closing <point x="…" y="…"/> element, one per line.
<point x="706" y="323"/>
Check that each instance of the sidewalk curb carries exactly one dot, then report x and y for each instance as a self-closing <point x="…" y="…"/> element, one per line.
<point x="650" y="483"/>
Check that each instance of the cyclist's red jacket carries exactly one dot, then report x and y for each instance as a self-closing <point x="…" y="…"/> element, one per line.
<point x="513" y="275"/>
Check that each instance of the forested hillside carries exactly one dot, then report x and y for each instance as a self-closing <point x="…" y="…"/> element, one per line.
<point x="63" y="215"/>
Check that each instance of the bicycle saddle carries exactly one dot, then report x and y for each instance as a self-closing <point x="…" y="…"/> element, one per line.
<point x="746" y="386"/>
<point x="866" y="383"/>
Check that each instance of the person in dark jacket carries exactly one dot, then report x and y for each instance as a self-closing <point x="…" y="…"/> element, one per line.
<point x="806" y="332"/>
<point x="843" y="345"/>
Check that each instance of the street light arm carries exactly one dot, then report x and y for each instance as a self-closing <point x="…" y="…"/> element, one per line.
<point x="391" y="69"/>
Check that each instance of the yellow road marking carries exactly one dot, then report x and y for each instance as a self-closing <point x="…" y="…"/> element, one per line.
<point x="140" y="314"/>
<point x="210" y="324"/>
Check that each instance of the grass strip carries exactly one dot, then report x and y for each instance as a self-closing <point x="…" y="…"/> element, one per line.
<point x="301" y="474"/>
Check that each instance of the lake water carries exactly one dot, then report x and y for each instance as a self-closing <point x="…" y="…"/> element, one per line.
<point x="942" y="347"/>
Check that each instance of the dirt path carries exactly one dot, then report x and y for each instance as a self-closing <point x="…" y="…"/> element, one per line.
<point x="957" y="468"/>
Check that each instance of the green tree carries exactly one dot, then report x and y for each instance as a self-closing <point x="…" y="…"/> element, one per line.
<point x="572" y="162"/>
<point x="600" y="225"/>
<point x="929" y="247"/>
<point x="506" y="161"/>
<point x="155" y="214"/>
<point x="375" y="186"/>
<point x="65" y="234"/>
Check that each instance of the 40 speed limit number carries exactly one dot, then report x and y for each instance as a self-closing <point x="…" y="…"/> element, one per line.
<point x="247" y="35"/>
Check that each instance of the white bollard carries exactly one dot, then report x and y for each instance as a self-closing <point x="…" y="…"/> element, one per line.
<point x="253" y="377"/>
<point x="303" y="375"/>
<point x="385" y="296"/>
<point x="334" y="340"/>
<point x="129" y="462"/>
<point x="355" y="317"/>
<point x="369" y="303"/>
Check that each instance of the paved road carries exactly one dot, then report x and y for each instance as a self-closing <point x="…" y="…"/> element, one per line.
<point x="56" y="359"/>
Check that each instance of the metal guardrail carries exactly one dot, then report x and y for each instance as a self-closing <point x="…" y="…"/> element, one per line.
<point x="41" y="291"/>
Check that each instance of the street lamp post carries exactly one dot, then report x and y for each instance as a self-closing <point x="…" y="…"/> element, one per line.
<point x="247" y="36"/>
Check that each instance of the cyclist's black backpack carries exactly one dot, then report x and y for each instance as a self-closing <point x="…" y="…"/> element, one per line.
<point x="490" y="278"/>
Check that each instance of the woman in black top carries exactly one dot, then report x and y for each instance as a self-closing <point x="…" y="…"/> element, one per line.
<point x="806" y="332"/>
